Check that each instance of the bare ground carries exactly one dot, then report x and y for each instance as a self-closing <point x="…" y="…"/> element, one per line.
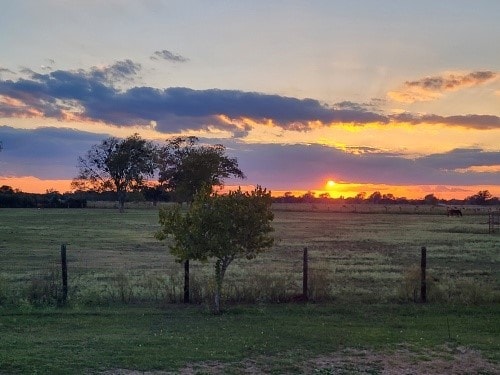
<point x="444" y="361"/>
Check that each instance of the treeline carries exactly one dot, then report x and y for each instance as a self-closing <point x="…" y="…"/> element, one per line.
<point x="14" y="198"/>
<point x="481" y="198"/>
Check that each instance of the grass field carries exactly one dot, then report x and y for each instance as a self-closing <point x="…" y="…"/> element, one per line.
<point x="363" y="280"/>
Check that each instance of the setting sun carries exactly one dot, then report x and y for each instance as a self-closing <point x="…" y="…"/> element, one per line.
<point x="330" y="184"/>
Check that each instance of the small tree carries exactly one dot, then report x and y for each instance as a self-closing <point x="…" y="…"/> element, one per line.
<point x="220" y="227"/>
<point x="116" y="165"/>
<point x="186" y="167"/>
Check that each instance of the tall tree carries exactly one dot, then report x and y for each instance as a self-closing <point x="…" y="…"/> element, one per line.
<point x="481" y="197"/>
<point x="220" y="227"/>
<point x="116" y="165"/>
<point x="186" y="167"/>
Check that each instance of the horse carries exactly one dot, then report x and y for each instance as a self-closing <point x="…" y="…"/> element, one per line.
<point x="454" y="212"/>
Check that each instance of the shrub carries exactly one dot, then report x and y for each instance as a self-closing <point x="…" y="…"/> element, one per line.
<point x="44" y="290"/>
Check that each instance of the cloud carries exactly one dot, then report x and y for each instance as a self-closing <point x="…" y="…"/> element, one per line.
<point x="121" y="71"/>
<point x="292" y="166"/>
<point x="479" y="122"/>
<point x="431" y="88"/>
<point x="92" y="95"/>
<point x="46" y="153"/>
<point x="51" y="153"/>
<point x="98" y="95"/>
<point x="169" y="56"/>
<point x="5" y="70"/>
<point x="461" y="158"/>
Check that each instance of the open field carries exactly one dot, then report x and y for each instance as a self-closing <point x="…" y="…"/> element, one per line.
<point x="363" y="279"/>
<point x="353" y="256"/>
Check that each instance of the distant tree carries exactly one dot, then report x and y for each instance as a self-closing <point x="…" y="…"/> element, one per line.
<point x="116" y="165"/>
<point x="388" y="198"/>
<point x="430" y="199"/>
<point x="360" y="197"/>
<point x="185" y="167"/>
<point x="6" y="189"/>
<point x="325" y="196"/>
<point x="375" y="197"/>
<point x="308" y="197"/>
<point x="480" y="198"/>
<point x="220" y="227"/>
<point x="155" y="194"/>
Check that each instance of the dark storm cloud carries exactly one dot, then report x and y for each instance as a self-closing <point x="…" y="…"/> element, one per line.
<point x="169" y="56"/>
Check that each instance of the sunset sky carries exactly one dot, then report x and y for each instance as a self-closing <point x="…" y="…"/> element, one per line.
<point x="402" y="97"/>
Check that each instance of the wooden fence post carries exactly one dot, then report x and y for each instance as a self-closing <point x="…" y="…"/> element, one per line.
<point x="186" y="281"/>
<point x="64" y="267"/>
<point x="423" y="281"/>
<point x="305" y="276"/>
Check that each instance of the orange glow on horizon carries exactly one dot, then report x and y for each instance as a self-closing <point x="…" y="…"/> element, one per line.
<point x="30" y="184"/>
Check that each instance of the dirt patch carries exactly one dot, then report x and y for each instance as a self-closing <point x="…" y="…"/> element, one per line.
<point x="442" y="361"/>
<point x="458" y="360"/>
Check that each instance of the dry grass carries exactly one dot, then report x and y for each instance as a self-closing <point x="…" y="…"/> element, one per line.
<point x="353" y="256"/>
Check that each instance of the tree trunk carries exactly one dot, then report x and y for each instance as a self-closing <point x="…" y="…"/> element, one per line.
<point x="220" y="270"/>
<point x="121" y="200"/>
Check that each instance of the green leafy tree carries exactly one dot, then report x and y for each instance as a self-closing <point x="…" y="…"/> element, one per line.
<point x="185" y="167"/>
<point x="221" y="228"/>
<point x="116" y="165"/>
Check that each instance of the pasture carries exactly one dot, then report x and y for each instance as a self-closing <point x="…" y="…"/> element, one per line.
<point x="364" y="279"/>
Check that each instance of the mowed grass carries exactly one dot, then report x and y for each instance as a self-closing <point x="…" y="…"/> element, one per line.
<point x="275" y="338"/>
<point x="362" y="265"/>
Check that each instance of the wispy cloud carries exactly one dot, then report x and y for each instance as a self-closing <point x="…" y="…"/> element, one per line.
<point x="478" y="122"/>
<point x="169" y="56"/>
<point x="125" y="70"/>
<point x="431" y="88"/>
<point x="5" y="70"/>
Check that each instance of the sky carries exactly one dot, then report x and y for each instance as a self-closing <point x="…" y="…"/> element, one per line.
<point x="401" y="97"/>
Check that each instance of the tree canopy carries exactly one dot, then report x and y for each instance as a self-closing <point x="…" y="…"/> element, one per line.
<point x="185" y="167"/>
<point x="116" y="165"/>
<point x="220" y="227"/>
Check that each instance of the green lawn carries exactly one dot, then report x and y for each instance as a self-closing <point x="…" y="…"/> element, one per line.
<point x="278" y="338"/>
